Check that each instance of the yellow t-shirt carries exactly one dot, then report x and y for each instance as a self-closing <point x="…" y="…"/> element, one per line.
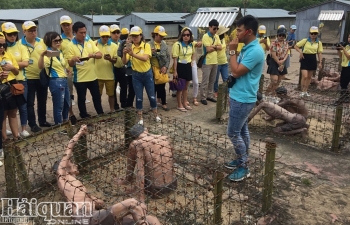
<point x="58" y="68"/>
<point x="65" y="43"/>
<point x="21" y="55"/>
<point x="32" y="70"/>
<point x="154" y="60"/>
<point x="10" y="59"/>
<point x="84" y="71"/>
<point x="104" y="68"/>
<point x="263" y="45"/>
<point x="183" y="52"/>
<point x="310" y="48"/>
<point x="222" y="57"/>
<point x="208" y="40"/>
<point x="139" y="65"/>
<point x="240" y="46"/>
<point x="345" y="62"/>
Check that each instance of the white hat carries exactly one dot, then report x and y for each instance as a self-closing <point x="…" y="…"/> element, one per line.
<point x="114" y="27"/>
<point x="9" y="27"/>
<point x="28" y="24"/>
<point x="281" y="26"/>
<point x="104" y="31"/>
<point x="135" y="30"/>
<point x="65" y="19"/>
<point x="313" y="29"/>
<point x="293" y="27"/>
<point x="262" y="29"/>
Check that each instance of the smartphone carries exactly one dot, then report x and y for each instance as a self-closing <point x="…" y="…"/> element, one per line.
<point x="129" y="45"/>
<point x="51" y="53"/>
<point x="84" y="59"/>
<point x="265" y="37"/>
<point x="106" y="56"/>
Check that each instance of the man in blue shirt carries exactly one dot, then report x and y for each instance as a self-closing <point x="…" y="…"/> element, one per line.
<point x="291" y="39"/>
<point x="246" y="70"/>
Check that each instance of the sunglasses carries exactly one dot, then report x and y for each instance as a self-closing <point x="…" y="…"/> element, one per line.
<point x="3" y="45"/>
<point x="215" y="28"/>
<point x="116" y="32"/>
<point x="31" y="31"/>
<point x="281" y="35"/>
<point x="134" y="36"/>
<point x="104" y="36"/>
<point x="57" y="41"/>
<point x="186" y="35"/>
<point x="12" y="34"/>
<point x="313" y="33"/>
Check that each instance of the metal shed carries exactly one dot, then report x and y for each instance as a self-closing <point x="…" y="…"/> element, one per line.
<point x="224" y="15"/>
<point x="47" y="19"/>
<point x="99" y="20"/>
<point x="172" y="22"/>
<point x="271" y="18"/>
<point x="332" y="18"/>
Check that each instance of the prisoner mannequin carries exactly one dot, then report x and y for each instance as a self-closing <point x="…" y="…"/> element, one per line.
<point x="129" y="211"/>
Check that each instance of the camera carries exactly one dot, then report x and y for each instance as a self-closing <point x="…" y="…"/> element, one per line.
<point x="5" y="92"/>
<point x="338" y="45"/>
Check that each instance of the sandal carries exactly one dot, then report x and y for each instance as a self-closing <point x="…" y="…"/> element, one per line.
<point x="195" y="102"/>
<point x="188" y="107"/>
<point x="182" y="109"/>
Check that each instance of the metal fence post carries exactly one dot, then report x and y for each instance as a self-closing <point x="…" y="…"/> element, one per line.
<point x="219" y="182"/>
<point x="268" y="176"/>
<point x="337" y="128"/>
<point x="300" y="77"/>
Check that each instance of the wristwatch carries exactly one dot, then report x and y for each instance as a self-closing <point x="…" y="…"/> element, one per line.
<point x="232" y="52"/>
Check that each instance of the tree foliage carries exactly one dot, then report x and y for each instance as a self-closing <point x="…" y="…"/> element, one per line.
<point x="110" y="7"/>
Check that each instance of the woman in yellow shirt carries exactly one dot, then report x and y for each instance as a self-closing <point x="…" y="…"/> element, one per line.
<point x="222" y="60"/>
<point x="308" y="49"/>
<point x="58" y="77"/>
<point x="139" y="53"/>
<point x="9" y="69"/>
<point x="22" y="57"/>
<point x="183" y="55"/>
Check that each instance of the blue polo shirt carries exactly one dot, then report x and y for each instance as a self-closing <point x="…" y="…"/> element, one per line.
<point x="246" y="87"/>
<point x="290" y="38"/>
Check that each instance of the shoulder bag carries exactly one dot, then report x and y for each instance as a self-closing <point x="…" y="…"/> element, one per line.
<point x="201" y="59"/>
<point x="44" y="77"/>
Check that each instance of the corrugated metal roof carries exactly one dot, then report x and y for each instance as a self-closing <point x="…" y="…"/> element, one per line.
<point x="267" y="13"/>
<point x="25" y="14"/>
<point x="344" y="2"/>
<point x="225" y="16"/>
<point x="335" y="15"/>
<point x="154" y="17"/>
<point x="105" y="18"/>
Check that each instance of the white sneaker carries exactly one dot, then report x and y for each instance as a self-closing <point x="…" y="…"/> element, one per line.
<point x="73" y="102"/>
<point x="1" y="155"/>
<point x="87" y="101"/>
<point x="307" y="94"/>
<point x="302" y="94"/>
<point x="140" y="122"/>
<point x="25" y="133"/>
<point x="158" y="119"/>
<point x="1" y="164"/>
<point x="8" y="132"/>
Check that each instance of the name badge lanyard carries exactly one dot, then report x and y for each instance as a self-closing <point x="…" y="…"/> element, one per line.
<point x="184" y="53"/>
<point x="81" y="51"/>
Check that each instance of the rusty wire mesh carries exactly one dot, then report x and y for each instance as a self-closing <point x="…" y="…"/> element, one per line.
<point x="102" y="155"/>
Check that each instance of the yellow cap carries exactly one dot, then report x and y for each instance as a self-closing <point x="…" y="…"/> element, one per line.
<point x="114" y="27"/>
<point x="65" y="19"/>
<point x="159" y="30"/>
<point x="9" y="27"/>
<point x="281" y="26"/>
<point x="135" y="30"/>
<point x="125" y="31"/>
<point x="262" y="29"/>
<point x="2" y="36"/>
<point x="183" y="29"/>
<point x="314" y="29"/>
<point x="28" y="24"/>
<point x="104" y="31"/>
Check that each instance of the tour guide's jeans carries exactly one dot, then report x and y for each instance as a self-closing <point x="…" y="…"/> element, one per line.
<point x="60" y="98"/>
<point x="35" y="87"/>
<point x="140" y="81"/>
<point x="237" y="129"/>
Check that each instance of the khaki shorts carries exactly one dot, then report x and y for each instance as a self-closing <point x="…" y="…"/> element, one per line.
<point x="109" y="87"/>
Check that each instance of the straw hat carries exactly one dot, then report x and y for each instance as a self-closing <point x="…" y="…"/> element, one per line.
<point x="222" y="30"/>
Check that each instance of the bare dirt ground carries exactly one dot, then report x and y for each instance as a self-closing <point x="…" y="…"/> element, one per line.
<point x="310" y="187"/>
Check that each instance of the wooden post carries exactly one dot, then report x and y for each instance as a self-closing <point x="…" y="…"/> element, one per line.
<point x="22" y="172"/>
<point x="299" y="82"/>
<point x="129" y="121"/>
<point x="261" y="84"/>
<point x="337" y="128"/>
<point x="220" y="100"/>
<point x="268" y="176"/>
<point x="10" y="171"/>
<point x="320" y="72"/>
<point x="219" y="182"/>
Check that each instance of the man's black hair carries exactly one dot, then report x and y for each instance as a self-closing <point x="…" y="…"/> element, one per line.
<point x="249" y="22"/>
<point x="77" y="26"/>
<point x="213" y="22"/>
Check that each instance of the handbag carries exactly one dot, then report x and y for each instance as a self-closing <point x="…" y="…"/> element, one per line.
<point x="268" y="58"/>
<point x="159" y="77"/>
<point x="17" y="89"/>
<point x="44" y="77"/>
<point x="202" y="57"/>
<point x="178" y="84"/>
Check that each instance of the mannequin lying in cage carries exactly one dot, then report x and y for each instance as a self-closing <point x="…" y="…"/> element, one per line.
<point x="153" y="158"/>
<point x="292" y="111"/>
<point x="88" y="209"/>
<point x="330" y="81"/>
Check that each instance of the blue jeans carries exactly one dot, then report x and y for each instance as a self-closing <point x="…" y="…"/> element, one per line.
<point x="223" y="69"/>
<point x="23" y="114"/>
<point x="140" y="81"/>
<point x="237" y="129"/>
<point x="60" y="99"/>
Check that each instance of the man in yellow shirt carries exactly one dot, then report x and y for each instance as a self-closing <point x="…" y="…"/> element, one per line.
<point x="104" y="67"/>
<point x="211" y="44"/>
<point x="263" y="39"/>
<point x="35" y="46"/>
<point x="67" y="36"/>
<point x="119" y="70"/>
<point x="81" y="54"/>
